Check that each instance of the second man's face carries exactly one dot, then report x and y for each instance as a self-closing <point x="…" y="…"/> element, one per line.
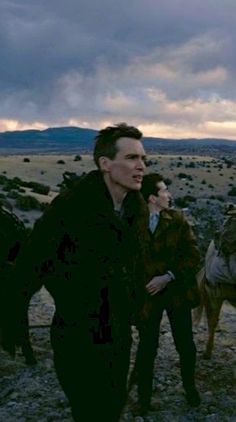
<point x="163" y="196"/>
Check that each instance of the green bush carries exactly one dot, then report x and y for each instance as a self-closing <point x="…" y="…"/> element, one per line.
<point x="3" y="179"/>
<point x="27" y="203"/>
<point x="38" y="188"/>
<point x="184" y="201"/>
<point x="184" y="176"/>
<point x="78" y="158"/>
<point x="232" y="192"/>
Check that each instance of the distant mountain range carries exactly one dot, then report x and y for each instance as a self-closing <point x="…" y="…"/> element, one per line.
<point x="67" y="140"/>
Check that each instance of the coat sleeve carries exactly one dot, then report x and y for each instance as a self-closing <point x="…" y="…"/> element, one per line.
<point x="187" y="256"/>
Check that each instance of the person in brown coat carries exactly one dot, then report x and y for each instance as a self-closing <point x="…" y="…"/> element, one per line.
<point x="171" y="264"/>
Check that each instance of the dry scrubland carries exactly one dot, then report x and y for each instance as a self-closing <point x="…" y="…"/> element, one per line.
<point x="46" y="169"/>
<point x="202" y="177"/>
<point x="33" y="394"/>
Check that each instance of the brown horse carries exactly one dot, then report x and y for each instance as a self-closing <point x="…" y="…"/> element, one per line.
<point x="217" y="283"/>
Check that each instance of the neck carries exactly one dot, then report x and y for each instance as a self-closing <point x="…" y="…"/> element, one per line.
<point x="117" y="193"/>
<point x="153" y="208"/>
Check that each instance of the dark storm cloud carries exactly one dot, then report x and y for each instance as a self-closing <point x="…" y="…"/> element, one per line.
<point x="89" y="60"/>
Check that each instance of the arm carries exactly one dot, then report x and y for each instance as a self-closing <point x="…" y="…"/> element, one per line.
<point x="187" y="254"/>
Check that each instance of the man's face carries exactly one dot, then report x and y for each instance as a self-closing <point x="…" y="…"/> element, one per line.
<point x="163" y="196"/>
<point x="125" y="172"/>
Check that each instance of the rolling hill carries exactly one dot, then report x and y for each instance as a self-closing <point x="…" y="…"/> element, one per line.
<point x="71" y="139"/>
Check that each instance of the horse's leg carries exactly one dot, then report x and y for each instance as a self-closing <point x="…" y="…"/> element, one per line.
<point x="24" y="342"/>
<point x="213" y="307"/>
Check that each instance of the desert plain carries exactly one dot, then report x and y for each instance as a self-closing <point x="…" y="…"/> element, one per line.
<point x="204" y="178"/>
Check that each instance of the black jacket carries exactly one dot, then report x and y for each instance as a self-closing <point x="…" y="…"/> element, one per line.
<point x="88" y="258"/>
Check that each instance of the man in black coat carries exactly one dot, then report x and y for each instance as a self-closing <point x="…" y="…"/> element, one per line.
<point x="85" y="250"/>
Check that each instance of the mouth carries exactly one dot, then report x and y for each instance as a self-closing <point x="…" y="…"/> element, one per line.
<point x="138" y="178"/>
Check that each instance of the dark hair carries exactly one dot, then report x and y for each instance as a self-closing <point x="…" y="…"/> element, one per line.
<point x="105" y="141"/>
<point x="149" y="185"/>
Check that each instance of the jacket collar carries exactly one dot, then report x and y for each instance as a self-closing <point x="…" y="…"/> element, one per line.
<point x="164" y="214"/>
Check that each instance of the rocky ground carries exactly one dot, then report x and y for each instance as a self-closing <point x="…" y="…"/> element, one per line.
<point x="32" y="394"/>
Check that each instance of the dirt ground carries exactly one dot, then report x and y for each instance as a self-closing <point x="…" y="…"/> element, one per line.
<point x="32" y="394"/>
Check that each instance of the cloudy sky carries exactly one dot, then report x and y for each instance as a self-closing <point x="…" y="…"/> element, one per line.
<point x="167" y="66"/>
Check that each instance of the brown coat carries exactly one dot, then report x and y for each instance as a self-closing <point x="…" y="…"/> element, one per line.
<point x="173" y="247"/>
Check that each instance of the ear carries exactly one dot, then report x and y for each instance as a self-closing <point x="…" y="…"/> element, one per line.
<point x="152" y="199"/>
<point x="104" y="163"/>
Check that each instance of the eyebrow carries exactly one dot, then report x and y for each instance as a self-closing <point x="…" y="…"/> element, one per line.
<point x="144" y="157"/>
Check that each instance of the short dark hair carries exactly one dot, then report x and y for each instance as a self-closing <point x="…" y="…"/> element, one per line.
<point x="105" y="141"/>
<point x="149" y="185"/>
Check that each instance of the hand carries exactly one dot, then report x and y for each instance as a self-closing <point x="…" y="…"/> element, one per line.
<point x="157" y="284"/>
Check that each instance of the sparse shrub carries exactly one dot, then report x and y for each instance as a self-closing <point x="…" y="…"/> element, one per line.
<point x="27" y="203"/>
<point x="190" y="165"/>
<point x="184" y="176"/>
<point x="149" y="162"/>
<point x="232" y="192"/>
<point x="26" y="160"/>
<point x="10" y="185"/>
<point x="220" y="198"/>
<point x="13" y="194"/>
<point x="184" y="201"/>
<point x="69" y="180"/>
<point x="60" y="162"/>
<point x="168" y="181"/>
<point x="5" y="203"/>
<point x="39" y="188"/>
<point x="3" y="179"/>
<point x="17" y="180"/>
<point x="78" y="158"/>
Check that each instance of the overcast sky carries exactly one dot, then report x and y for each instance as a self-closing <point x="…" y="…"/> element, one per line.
<point x="166" y="66"/>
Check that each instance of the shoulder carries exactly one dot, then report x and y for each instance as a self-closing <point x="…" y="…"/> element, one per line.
<point x="72" y="205"/>
<point x="173" y="214"/>
<point x="77" y="194"/>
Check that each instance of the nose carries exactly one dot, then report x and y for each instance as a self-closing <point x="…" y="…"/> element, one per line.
<point x="141" y="164"/>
